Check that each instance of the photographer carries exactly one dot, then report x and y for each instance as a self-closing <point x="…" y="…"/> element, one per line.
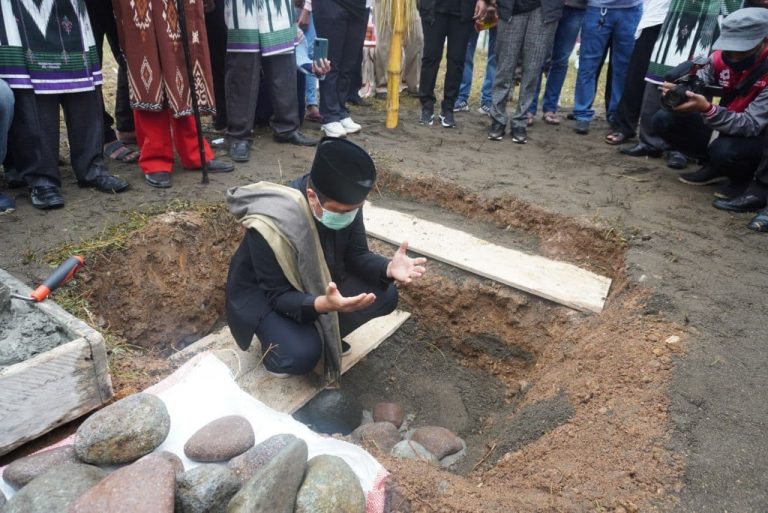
<point x="728" y="138"/>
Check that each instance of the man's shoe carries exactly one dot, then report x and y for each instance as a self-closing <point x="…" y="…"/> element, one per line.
<point x="484" y="109"/>
<point x="106" y="183"/>
<point x="350" y="126"/>
<point x="345" y="348"/>
<point x="297" y="138"/>
<point x="582" y="127"/>
<point x="334" y="129"/>
<point x="461" y="106"/>
<point x="46" y="197"/>
<point x="731" y="190"/>
<point x="496" y="131"/>
<point x="381" y="95"/>
<point x="446" y="119"/>
<point x="355" y="99"/>
<point x="677" y="160"/>
<point x="219" y="166"/>
<point x="519" y="135"/>
<point x="641" y="150"/>
<point x="427" y="116"/>
<point x="7" y="205"/>
<point x="705" y="175"/>
<point x="160" y="179"/>
<point x="240" y="151"/>
<point x="759" y="223"/>
<point x="743" y="203"/>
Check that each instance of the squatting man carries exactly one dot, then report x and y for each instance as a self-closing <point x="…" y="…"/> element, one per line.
<point x="303" y="277"/>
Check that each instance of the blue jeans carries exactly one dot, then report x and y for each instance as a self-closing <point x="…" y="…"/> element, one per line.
<point x="601" y="26"/>
<point x="6" y="116"/>
<point x="310" y="91"/>
<point x="565" y="40"/>
<point x="490" y="69"/>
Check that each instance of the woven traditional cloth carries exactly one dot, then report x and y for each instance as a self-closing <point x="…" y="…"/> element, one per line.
<point x="48" y="46"/>
<point x="150" y="36"/>
<point x="266" y="26"/>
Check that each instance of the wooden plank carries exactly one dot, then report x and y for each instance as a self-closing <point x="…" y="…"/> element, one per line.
<point x="560" y="282"/>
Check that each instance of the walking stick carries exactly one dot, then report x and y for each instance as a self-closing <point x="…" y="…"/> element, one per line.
<point x="191" y="78"/>
<point x="395" y="65"/>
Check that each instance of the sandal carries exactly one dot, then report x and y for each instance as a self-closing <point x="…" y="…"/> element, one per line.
<point x="531" y="118"/>
<point x="615" y="138"/>
<point x="551" y="118"/>
<point x="118" y="151"/>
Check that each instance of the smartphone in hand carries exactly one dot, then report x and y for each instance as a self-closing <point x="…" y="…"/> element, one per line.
<point x="320" y="50"/>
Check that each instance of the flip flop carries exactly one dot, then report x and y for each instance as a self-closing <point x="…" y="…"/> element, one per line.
<point x="119" y="152"/>
<point x="615" y="138"/>
<point x="551" y="118"/>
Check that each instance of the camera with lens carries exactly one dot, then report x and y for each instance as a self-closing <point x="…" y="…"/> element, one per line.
<point x="686" y="79"/>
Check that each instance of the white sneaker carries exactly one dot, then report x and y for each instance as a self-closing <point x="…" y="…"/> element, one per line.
<point x="334" y="129"/>
<point x="350" y="126"/>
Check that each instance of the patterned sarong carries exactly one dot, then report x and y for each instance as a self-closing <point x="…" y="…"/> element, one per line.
<point x="266" y="26"/>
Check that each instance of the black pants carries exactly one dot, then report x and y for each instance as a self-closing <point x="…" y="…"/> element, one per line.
<point x="734" y="157"/>
<point x="628" y="110"/>
<point x="345" y="33"/>
<point x="217" y="47"/>
<point x="445" y="26"/>
<point x="103" y="23"/>
<point x="294" y="348"/>
<point x="264" y="106"/>
<point x="243" y="78"/>
<point x="34" y="135"/>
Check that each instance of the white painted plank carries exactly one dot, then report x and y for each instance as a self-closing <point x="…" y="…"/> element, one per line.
<point x="560" y="282"/>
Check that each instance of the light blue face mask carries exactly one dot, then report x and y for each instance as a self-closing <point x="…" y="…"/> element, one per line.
<point x="336" y="220"/>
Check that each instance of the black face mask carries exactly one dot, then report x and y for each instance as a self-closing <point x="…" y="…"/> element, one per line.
<point x="742" y="65"/>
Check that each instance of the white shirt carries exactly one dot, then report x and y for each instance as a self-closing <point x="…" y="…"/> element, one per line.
<point x="654" y="12"/>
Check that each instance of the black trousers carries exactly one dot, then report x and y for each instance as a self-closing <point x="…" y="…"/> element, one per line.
<point x="294" y="348"/>
<point x="734" y="157"/>
<point x="243" y="78"/>
<point x="217" y="47"/>
<point x="103" y="23"/>
<point x="345" y="33"/>
<point x="628" y="110"/>
<point x="34" y="135"/>
<point x="445" y="26"/>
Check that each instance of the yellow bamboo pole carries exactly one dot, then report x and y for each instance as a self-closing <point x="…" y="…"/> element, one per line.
<point x="395" y="64"/>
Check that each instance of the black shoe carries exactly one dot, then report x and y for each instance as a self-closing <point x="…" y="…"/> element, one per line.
<point x="496" y="131"/>
<point x="519" y="135"/>
<point x="571" y="116"/>
<point x="759" y="223"/>
<point x="743" y="203"/>
<point x="731" y="190"/>
<point x="161" y="179"/>
<point x="427" y="116"/>
<point x="357" y="100"/>
<point x="106" y="183"/>
<point x="345" y="348"/>
<point x="641" y="150"/>
<point x="240" y="151"/>
<point x="219" y="166"/>
<point x="676" y="160"/>
<point x="381" y="95"/>
<point x="705" y="175"/>
<point x="46" y="197"/>
<point x="7" y="205"/>
<point x="582" y="127"/>
<point x="446" y="119"/>
<point x="296" y="138"/>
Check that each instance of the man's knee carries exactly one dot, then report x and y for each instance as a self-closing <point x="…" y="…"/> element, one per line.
<point x="387" y="302"/>
<point x="289" y="347"/>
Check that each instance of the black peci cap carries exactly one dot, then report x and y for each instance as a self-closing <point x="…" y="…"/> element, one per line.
<point x="342" y="171"/>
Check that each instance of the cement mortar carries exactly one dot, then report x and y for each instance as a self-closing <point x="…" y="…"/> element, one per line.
<point x="25" y="331"/>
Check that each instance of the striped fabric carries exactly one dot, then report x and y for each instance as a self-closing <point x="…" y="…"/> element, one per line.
<point x="265" y="26"/>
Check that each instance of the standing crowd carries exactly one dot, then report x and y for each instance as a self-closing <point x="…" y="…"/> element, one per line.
<point x="285" y="62"/>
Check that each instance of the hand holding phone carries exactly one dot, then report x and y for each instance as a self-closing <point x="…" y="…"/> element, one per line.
<point x="320" y="50"/>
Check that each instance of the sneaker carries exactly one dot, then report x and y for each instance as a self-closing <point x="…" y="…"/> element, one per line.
<point x="345" y="348"/>
<point x="705" y="175"/>
<point x="582" y="127"/>
<point x="484" y="109"/>
<point x="334" y="129"/>
<point x="350" y="126"/>
<point x="7" y="205"/>
<point x="446" y="119"/>
<point x="519" y="135"/>
<point x="427" y="116"/>
<point x="496" y="131"/>
<point x="461" y="106"/>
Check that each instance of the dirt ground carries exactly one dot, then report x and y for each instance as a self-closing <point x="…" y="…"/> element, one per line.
<point x="653" y="426"/>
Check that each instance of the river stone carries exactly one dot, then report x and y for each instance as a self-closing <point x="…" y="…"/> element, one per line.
<point x="330" y="486"/>
<point x="439" y="441"/>
<point x="273" y="487"/>
<point x="389" y="412"/>
<point x="175" y="461"/>
<point x="246" y="465"/>
<point x="452" y="459"/>
<point x="332" y="411"/>
<point x="221" y="439"/>
<point x="205" y="489"/>
<point x="410" y="450"/>
<point x="383" y="435"/>
<point x="24" y="470"/>
<point x="146" y="485"/>
<point x="124" y="431"/>
<point x="56" y="489"/>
